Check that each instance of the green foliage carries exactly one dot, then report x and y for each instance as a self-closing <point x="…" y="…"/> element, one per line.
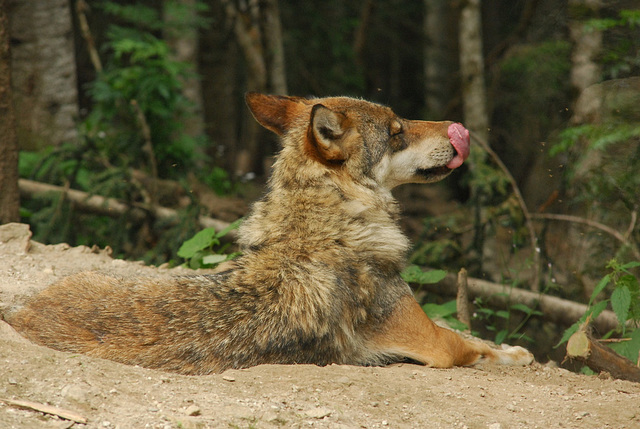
<point x="447" y="311"/>
<point x="501" y="321"/>
<point x="139" y="90"/>
<point x="602" y="164"/>
<point x="414" y="274"/>
<point x="218" y="179"/>
<point x="203" y="251"/>
<point x="140" y="83"/>
<point x="621" y="56"/>
<point x="625" y="302"/>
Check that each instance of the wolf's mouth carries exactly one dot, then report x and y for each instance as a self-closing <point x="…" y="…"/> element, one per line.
<point x="430" y="173"/>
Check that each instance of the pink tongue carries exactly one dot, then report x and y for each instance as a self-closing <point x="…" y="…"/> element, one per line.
<point x="459" y="138"/>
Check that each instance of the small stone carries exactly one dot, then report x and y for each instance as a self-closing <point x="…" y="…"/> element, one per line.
<point x="270" y="416"/>
<point x="318" y="413"/>
<point x="193" y="410"/>
<point x="495" y="426"/>
<point x="228" y="378"/>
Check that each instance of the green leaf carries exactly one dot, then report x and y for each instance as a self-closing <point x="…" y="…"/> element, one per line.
<point x="433" y="276"/>
<point x="233" y="225"/>
<point x="500" y="336"/>
<point x="526" y="309"/>
<point x="570" y="331"/>
<point x="503" y="314"/>
<point x="440" y="310"/>
<point x="456" y="324"/>
<point x="200" y="241"/>
<point x="593" y="312"/>
<point x="620" y="302"/>
<point x="413" y="274"/>
<point x="596" y="310"/>
<point x="213" y="259"/>
<point x="630" y="265"/>
<point x="630" y="348"/>
<point x="599" y="288"/>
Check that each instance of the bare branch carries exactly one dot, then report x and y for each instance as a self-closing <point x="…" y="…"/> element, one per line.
<point x="527" y="215"/>
<point x="575" y="219"/>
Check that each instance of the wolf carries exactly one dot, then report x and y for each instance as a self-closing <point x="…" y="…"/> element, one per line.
<point x="319" y="278"/>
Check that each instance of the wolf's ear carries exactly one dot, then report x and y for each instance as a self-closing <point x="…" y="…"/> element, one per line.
<point x="274" y="112"/>
<point x="328" y="132"/>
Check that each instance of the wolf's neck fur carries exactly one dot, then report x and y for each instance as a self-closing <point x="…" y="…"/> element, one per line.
<point x="318" y="208"/>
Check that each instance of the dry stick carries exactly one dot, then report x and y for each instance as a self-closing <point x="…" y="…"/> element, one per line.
<point x="462" y="299"/>
<point x="527" y="216"/>
<point x="47" y="409"/>
<point x="112" y="207"/>
<point x="81" y="8"/>
<point x="593" y="224"/>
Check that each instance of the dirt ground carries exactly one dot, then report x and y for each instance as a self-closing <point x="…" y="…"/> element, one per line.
<point x="111" y="395"/>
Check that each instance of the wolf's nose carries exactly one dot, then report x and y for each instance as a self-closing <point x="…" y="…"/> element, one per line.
<point x="459" y="138"/>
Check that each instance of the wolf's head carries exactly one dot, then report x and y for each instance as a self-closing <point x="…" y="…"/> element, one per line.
<point x="365" y="140"/>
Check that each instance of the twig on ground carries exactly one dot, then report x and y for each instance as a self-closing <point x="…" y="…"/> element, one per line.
<point x="47" y="409"/>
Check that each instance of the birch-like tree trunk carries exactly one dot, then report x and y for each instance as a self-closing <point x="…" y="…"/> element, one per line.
<point x="587" y="44"/>
<point x="44" y="71"/>
<point x="9" y="193"/>
<point x="474" y="98"/>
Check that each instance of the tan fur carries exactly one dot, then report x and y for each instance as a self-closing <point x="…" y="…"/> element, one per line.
<point x="319" y="280"/>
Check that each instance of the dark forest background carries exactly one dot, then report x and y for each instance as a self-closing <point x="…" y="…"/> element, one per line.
<point x="140" y="106"/>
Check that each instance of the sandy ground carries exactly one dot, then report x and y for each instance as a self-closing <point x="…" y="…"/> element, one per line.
<point x="111" y="395"/>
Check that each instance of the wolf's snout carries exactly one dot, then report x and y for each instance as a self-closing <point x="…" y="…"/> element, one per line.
<point x="459" y="138"/>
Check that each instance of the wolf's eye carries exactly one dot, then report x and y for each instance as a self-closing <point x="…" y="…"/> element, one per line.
<point x="395" y="128"/>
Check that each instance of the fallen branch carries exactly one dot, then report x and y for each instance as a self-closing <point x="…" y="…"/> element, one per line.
<point x="112" y="207"/>
<point x="47" y="409"/>
<point x="584" y="348"/>
<point x="555" y="309"/>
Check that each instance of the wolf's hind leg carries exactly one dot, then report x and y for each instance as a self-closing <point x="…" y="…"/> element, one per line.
<point x="409" y="332"/>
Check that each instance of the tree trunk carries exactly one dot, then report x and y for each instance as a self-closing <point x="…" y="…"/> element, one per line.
<point x="184" y="47"/>
<point x="258" y="33"/>
<point x="44" y="71"/>
<point x="587" y="44"/>
<point x="10" y="195"/>
<point x="274" y="48"/>
<point x="474" y="98"/>
<point x="436" y="57"/>
<point x="219" y="59"/>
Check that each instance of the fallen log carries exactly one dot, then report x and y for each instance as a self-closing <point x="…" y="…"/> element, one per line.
<point x="555" y="309"/>
<point x="586" y="349"/>
<point x="111" y="206"/>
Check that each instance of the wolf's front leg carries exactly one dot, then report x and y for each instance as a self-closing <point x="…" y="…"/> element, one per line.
<point x="409" y="332"/>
